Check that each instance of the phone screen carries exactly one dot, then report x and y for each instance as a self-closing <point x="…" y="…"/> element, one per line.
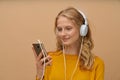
<point x="37" y="48"/>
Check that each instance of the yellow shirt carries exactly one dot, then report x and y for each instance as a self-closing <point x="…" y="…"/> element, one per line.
<point x="57" y="71"/>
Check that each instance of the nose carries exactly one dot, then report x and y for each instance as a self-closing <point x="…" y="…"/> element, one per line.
<point x="63" y="32"/>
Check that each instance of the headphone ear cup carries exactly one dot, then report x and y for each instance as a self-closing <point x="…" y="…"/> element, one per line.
<point x="83" y="30"/>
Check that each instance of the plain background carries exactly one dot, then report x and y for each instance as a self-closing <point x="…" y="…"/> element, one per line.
<point x="23" y="22"/>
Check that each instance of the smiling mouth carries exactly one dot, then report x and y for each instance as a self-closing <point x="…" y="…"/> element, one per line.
<point x="65" y="39"/>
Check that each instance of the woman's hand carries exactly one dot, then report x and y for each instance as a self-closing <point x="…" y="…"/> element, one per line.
<point x="40" y="63"/>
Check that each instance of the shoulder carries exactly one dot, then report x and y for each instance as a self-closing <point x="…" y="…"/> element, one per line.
<point x="54" y="53"/>
<point x="98" y="62"/>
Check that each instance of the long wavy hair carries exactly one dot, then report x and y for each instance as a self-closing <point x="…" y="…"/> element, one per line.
<point x="86" y="57"/>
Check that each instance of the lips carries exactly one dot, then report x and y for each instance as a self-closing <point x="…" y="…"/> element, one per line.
<point x="65" y="39"/>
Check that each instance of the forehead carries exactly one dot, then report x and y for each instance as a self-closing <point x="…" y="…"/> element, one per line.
<point x="64" y="21"/>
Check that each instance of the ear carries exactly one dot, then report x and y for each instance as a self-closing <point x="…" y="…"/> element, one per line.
<point x="83" y="30"/>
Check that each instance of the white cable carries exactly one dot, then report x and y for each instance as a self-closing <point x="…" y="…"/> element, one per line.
<point x="64" y="62"/>
<point x="76" y="62"/>
<point x="43" y="66"/>
<point x="77" y="59"/>
<point x="43" y="59"/>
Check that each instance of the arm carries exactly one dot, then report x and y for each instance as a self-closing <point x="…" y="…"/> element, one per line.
<point x="40" y="65"/>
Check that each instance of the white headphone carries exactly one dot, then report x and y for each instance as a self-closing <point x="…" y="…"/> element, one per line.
<point x="84" y="27"/>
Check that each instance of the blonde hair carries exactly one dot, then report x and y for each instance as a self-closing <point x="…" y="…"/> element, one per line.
<point x="86" y="58"/>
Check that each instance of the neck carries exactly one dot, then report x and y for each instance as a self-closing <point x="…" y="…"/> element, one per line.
<point x="72" y="49"/>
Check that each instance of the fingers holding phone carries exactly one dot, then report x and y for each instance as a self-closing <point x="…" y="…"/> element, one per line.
<point x="46" y="60"/>
<point x="40" y="52"/>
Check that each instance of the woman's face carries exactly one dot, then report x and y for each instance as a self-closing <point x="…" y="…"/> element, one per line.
<point x="67" y="31"/>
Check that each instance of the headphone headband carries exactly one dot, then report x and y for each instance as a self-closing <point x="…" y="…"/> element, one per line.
<point x="84" y="27"/>
<point x="85" y="18"/>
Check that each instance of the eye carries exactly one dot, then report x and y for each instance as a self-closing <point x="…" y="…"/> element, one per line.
<point x="59" y="29"/>
<point x="68" y="28"/>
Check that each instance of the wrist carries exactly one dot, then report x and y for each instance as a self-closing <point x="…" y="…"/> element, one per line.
<point x="37" y="77"/>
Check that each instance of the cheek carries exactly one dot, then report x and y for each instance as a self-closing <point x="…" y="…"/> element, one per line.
<point x="58" y="36"/>
<point x="75" y="33"/>
<point x="75" y="36"/>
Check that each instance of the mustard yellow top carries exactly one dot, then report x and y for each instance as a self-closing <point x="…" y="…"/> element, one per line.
<point x="57" y="71"/>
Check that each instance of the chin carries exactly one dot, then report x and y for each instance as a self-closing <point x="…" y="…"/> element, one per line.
<point x="66" y="43"/>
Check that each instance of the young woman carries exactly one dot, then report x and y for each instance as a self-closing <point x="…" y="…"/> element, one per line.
<point x="73" y="59"/>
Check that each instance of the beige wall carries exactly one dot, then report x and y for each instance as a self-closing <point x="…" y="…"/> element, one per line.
<point x="22" y="22"/>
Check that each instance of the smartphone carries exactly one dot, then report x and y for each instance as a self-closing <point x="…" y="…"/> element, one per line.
<point x="39" y="48"/>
